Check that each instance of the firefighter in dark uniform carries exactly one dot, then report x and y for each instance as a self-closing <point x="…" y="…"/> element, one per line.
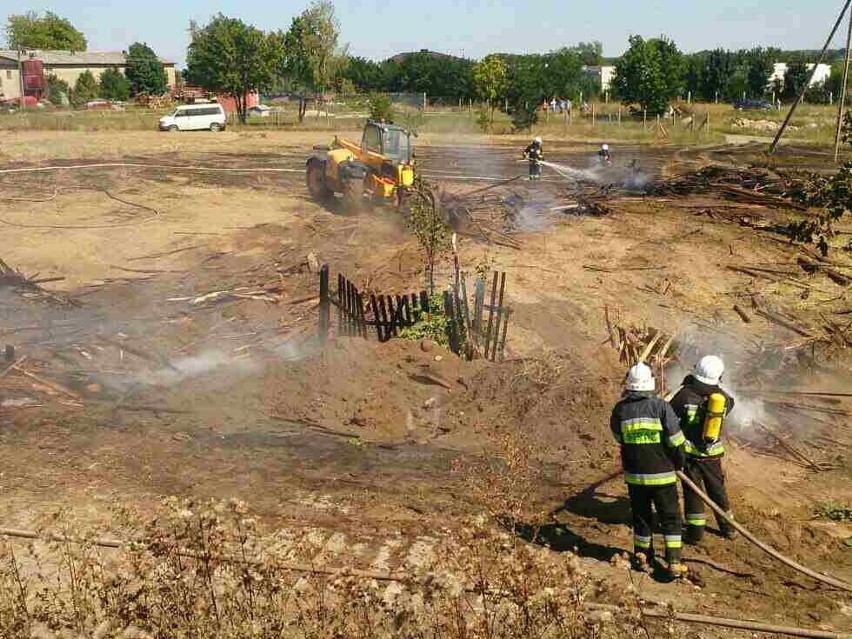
<point x="701" y="405"/>
<point x="535" y="155"/>
<point x="651" y="442"/>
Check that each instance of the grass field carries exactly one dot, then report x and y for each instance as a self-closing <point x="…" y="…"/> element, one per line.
<point x="812" y="124"/>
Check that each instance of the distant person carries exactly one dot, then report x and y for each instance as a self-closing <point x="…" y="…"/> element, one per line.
<point x="702" y="405"/>
<point x="604" y="156"/>
<point x="553" y="105"/>
<point x="651" y="441"/>
<point x="535" y="154"/>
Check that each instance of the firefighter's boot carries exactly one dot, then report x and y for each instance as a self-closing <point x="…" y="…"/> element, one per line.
<point x="674" y="564"/>
<point x="693" y="535"/>
<point x="727" y="530"/>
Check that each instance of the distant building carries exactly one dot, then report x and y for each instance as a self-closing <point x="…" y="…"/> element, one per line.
<point x="65" y="65"/>
<point x="780" y="70"/>
<point x="603" y="75"/>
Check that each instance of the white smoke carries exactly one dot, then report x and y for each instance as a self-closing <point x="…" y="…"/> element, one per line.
<point x="205" y="363"/>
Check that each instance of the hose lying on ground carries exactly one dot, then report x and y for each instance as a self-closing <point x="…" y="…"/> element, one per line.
<point x="740" y="624"/>
<point x="831" y="581"/>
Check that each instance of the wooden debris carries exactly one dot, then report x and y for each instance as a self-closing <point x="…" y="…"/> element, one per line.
<point x="835" y="276"/>
<point x="59" y="388"/>
<point x="743" y="315"/>
<point x="784" y="323"/>
<point x="792" y="449"/>
<point x="313" y="263"/>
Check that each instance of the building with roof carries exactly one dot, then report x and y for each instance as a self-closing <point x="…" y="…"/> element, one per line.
<point x="65" y="65"/>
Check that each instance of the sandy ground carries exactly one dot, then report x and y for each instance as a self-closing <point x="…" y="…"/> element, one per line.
<point x="235" y="399"/>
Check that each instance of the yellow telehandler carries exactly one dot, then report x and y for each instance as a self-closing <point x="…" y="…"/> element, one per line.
<point x="379" y="170"/>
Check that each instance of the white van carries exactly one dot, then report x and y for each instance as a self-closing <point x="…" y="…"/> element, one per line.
<point x="195" y="117"/>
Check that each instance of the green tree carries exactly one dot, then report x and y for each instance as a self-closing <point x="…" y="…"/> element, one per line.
<point x="650" y="73"/>
<point x="591" y="53"/>
<point x="312" y="58"/>
<point x="85" y="89"/>
<point x="491" y="81"/>
<point x="33" y="31"/>
<point x="114" y="86"/>
<point x="563" y="74"/>
<point x="381" y="108"/>
<point x="716" y="75"/>
<point x="364" y="74"/>
<point x="144" y="71"/>
<point x="57" y="91"/>
<point x="795" y="79"/>
<point x="760" y="66"/>
<point x="231" y="57"/>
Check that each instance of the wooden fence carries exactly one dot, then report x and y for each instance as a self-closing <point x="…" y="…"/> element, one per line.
<point x="356" y="313"/>
<point x="480" y="332"/>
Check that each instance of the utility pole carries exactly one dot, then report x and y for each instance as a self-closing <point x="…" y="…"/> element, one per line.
<point x="21" y="78"/>
<point x="842" y="101"/>
<point x="779" y="135"/>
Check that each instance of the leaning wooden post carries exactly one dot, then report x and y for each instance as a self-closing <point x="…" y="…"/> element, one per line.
<point x="491" y="315"/>
<point x="325" y="304"/>
<point x="499" y="317"/>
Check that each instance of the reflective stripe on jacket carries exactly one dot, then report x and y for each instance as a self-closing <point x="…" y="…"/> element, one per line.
<point x="648" y="431"/>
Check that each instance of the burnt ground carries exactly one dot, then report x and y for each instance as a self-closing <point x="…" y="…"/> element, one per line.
<point x="191" y="367"/>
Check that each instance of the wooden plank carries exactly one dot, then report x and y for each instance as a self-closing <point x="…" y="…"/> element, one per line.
<point x="491" y="315"/>
<point x="500" y="311"/>
<point x="362" y="322"/>
<point x="502" y="350"/>
<point x="341" y="302"/>
<point x="376" y="318"/>
<point x="384" y="304"/>
<point x="325" y="306"/>
<point x="450" y="314"/>
<point x="478" y="303"/>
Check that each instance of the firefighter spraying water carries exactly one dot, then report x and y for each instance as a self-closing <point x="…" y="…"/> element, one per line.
<point x="535" y="155"/>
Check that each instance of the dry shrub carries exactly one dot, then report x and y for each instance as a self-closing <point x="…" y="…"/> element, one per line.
<point x="506" y="481"/>
<point x="204" y="570"/>
<point x="535" y="379"/>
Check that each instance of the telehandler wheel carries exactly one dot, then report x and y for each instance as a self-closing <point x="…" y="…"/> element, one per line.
<point x="353" y="194"/>
<point x="315" y="181"/>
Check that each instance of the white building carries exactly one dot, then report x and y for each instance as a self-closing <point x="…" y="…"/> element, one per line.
<point x="780" y="70"/>
<point x="603" y="74"/>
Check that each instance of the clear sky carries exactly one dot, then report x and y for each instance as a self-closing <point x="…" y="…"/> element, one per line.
<point x="380" y="28"/>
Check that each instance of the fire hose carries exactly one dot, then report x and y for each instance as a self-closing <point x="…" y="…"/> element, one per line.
<point x="831" y="581"/>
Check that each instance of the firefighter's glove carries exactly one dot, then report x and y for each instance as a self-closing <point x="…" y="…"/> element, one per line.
<point x="678" y="457"/>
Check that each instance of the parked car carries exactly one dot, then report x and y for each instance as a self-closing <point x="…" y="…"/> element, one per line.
<point x="753" y="105"/>
<point x="195" y="117"/>
<point x="260" y="111"/>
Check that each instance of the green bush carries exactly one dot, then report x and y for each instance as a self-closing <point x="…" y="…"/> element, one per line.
<point x="85" y="89"/>
<point x="433" y="325"/>
<point x="114" y="86"/>
<point x="833" y="511"/>
<point x="381" y="108"/>
<point x="524" y="116"/>
<point x="57" y="91"/>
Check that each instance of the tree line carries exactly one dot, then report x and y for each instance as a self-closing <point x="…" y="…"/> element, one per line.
<point x="229" y="56"/>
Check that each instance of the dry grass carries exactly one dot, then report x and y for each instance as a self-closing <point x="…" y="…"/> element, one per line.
<point x="813" y="124"/>
<point x="204" y="570"/>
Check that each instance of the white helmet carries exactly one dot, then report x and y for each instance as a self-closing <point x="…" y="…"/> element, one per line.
<point x="709" y="370"/>
<point x="604" y="147"/>
<point x="640" y="378"/>
<point x="537" y="140"/>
